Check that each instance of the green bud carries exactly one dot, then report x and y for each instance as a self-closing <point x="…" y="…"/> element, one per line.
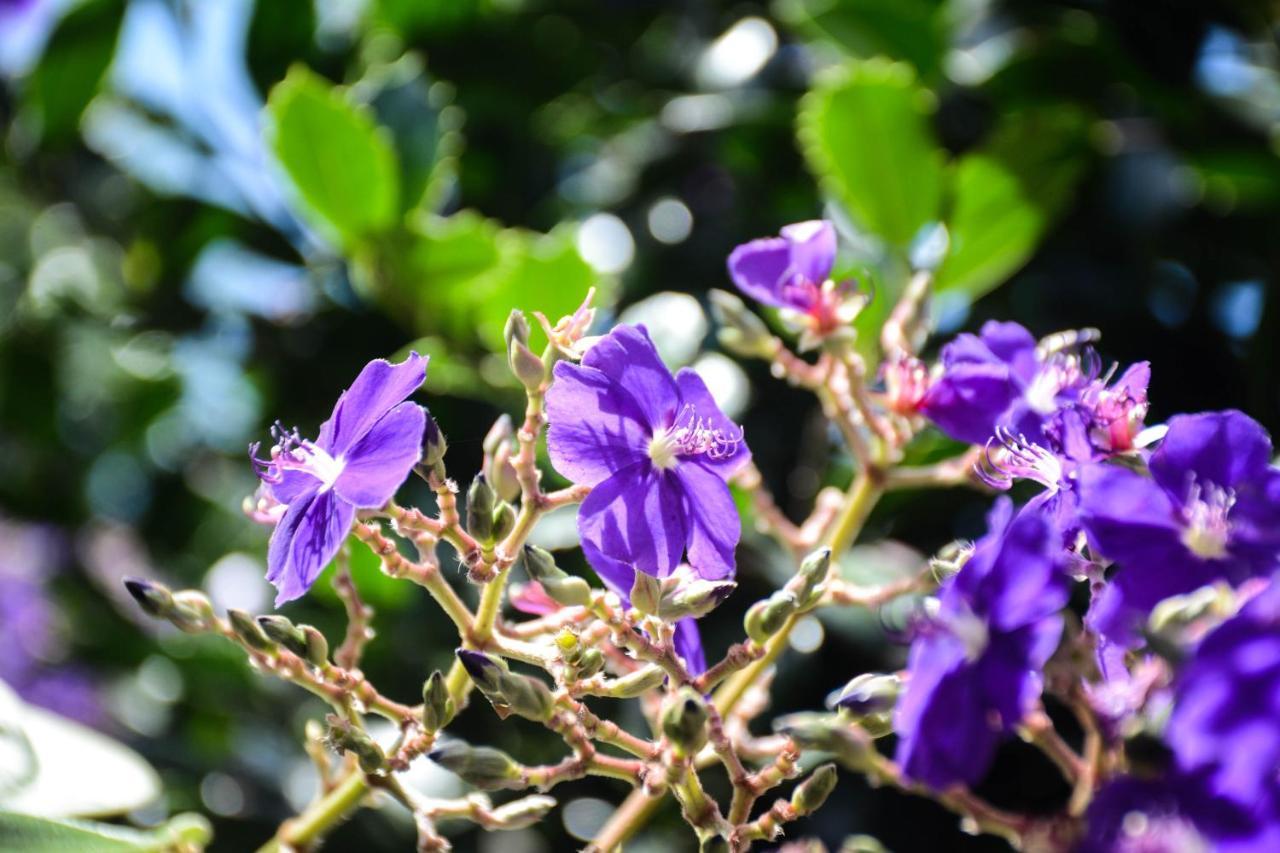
<point x="868" y="694"/>
<point x="191" y="611"/>
<point x="741" y="331"/>
<point x="344" y="737"/>
<point x="638" y="683"/>
<point x="437" y="705"/>
<point x="516" y="329"/>
<point x="526" y="366"/>
<point x="562" y="587"/>
<point x="248" y="631"/>
<point x="317" y="647"/>
<point x="862" y="844"/>
<point x="188" y="830"/>
<point x="480" y="506"/>
<point x="155" y="599"/>
<point x="523" y="812"/>
<point x="280" y="630"/>
<point x="765" y="618"/>
<point x="646" y="593"/>
<point x="508" y="691"/>
<point x="433" y="443"/>
<point x="813" y="792"/>
<point x="504" y="521"/>
<point x="830" y="733"/>
<point x="487" y="768"/>
<point x="502" y="474"/>
<point x="590" y="662"/>
<point x="696" y="598"/>
<point x="813" y="571"/>
<point x="498" y="435"/>
<point x="684" y="721"/>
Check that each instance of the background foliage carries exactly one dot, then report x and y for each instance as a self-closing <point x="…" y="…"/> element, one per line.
<point x="213" y="213"/>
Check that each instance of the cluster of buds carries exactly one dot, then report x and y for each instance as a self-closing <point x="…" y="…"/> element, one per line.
<point x="766" y="618"/>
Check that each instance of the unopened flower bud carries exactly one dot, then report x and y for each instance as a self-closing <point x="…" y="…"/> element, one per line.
<point x="188" y="831"/>
<point x="523" y="812"/>
<point x="344" y="737"/>
<point x="646" y="593"/>
<point x="437" y="705"/>
<point x="502" y="473"/>
<point x="696" y="599"/>
<point x="741" y="331"/>
<point x="526" y="366"/>
<point x="828" y="733"/>
<point x="765" y="618"/>
<point x="480" y="506"/>
<point x="589" y="663"/>
<point x="569" y="644"/>
<point x="638" y="683"/>
<point x="684" y="721"/>
<point x="191" y="611"/>
<point x="863" y="844"/>
<point x="813" y="792"/>
<point x="562" y="587"/>
<point x="869" y="693"/>
<point x="813" y="571"/>
<point x="280" y="630"/>
<point x="504" y="521"/>
<point x="485" y="767"/>
<point x="516" y="329"/>
<point x="433" y="443"/>
<point x="316" y="651"/>
<point x="714" y="844"/>
<point x="248" y="631"/>
<point x="155" y="599"/>
<point x="508" y="691"/>
<point x="499" y="434"/>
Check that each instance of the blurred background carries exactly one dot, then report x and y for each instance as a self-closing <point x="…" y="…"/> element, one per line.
<point x="214" y="212"/>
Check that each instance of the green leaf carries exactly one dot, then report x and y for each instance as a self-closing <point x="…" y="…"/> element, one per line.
<point x="72" y="67"/>
<point x="993" y="227"/>
<point x="864" y="130"/>
<point x="913" y="30"/>
<point x="342" y="165"/>
<point x="32" y="834"/>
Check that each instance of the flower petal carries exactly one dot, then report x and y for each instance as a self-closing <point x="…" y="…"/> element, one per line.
<point x="627" y="356"/>
<point x="377" y="465"/>
<point x="693" y="392"/>
<point x="759" y="268"/>
<point x="813" y="249"/>
<point x="292" y="484"/>
<point x="595" y="427"/>
<point x="713" y="527"/>
<point x="380" y="386"/>
<point x="689" y="646"/>
<point x="1127" y="517"/>
<point x="633" y="520"/>
<point x="970" y="400"/>
<point x="305" y="540"/>
<point x="1223" y="448"/>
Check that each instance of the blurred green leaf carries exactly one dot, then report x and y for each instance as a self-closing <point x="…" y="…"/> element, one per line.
<point x="913" y="30"/>
<point x="43" y="835"/>
<point x="72" y="67"/>
<point x="865" y="132"/>
<point x="342" y="165"/>
<point x="1250" y="179"/>
<point x="993" y="227"/>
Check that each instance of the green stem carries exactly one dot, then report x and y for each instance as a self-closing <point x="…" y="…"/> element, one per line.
<point x="321" y="816"/>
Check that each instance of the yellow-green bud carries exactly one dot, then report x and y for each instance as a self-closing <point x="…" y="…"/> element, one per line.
<point x="813" y="792"/>
<point x="317" y="647"/>
<point x="765" y="618"/>
<point x="437" y="705"/>
<point x="485" y="767"/>
<point x="508" y="691"/>
<point x="248" y="631"/>
<point x="481" y="503"/>
<point x="813" y="571"/>
<point x="830" y="733"/>
<point x="590" y="662"/>
<point x="684" y="721"/>
<point x="504" y="521"/>
<point x="155" y="599"/>
<point x="346" y="738"/>
<point x="741" y="331"/>
<point x="646" y="593"/>
<point x="562" y="587"/>
<point x="694" y="599"/>
<point x="638" y="683"/>
<point x="191" y="611"/>
<point x="283" y="632"/>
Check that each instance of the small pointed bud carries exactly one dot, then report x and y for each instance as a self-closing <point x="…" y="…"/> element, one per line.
<point x="346" y="738"/>
<point x="433" y="443"/>
<point x="280" y="630"/>
<point x="516" y="329"/>
<point x="868" y="694"/>
<point x="485" y="670"/>
<point x="638" y="683"/>
<point x="155" y="599"/>
<point x="590" y="663"/>
<point x="950" y="559"/>
<point x="485" y="767"/>
<point x="696" y="599"/>
<point x="569" y="644"/>
<point x="502" y="473"/>
<point x="249" y="632"/>
<point x="646" y="593"/>
<point x="765" y="618"/>
<point x="741" y="331"/>
<point x="191" y="611"/>
<point x="830" y="733"/>
<point x="508" y="691"/>
<point x="813" y="792"/>
<point x="562" y="587"/>
<point x="684" y="721"/>
<point x="316" y="651"/>
<point x="527" y="367"/>
<point x="188" y="831"/>
<point x="813" y="572"/>
<point x="437" y="705"/>
<point x="504" y="521"/>
<point x="862" y="844"/>
<point x="499" y="434"/>
<point x="523" y="812"/>
<point x="480" y="505"/>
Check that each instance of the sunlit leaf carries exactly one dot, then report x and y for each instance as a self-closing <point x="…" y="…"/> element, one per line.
<point x="32" y="834"/>
<point x="865" y="132"/>
<point x="341" y="163"/>
<point x="913" y="30"/>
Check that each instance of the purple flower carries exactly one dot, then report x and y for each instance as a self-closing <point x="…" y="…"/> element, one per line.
<point x="974" y="668"/>
<point x="999" y="378"/>
<point x="1226" y="713"/>
<point x="793" y="272"/>
<point x="364" y="452"/>
<point x="1176" y="814"/>
<point x="1209" y="512"/>
<point x="656" y="452"/>
<point x="689" y="646"/>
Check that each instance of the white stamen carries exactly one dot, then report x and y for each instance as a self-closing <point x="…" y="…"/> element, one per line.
<point x="1205" y="516"/>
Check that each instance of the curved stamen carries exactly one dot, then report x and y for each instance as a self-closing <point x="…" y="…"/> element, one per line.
<point x="1008" y="457"/>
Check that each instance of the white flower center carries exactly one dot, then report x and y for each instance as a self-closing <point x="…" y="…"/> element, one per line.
<point x="690" y="435"/>
<point x="1206" y="526"/>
